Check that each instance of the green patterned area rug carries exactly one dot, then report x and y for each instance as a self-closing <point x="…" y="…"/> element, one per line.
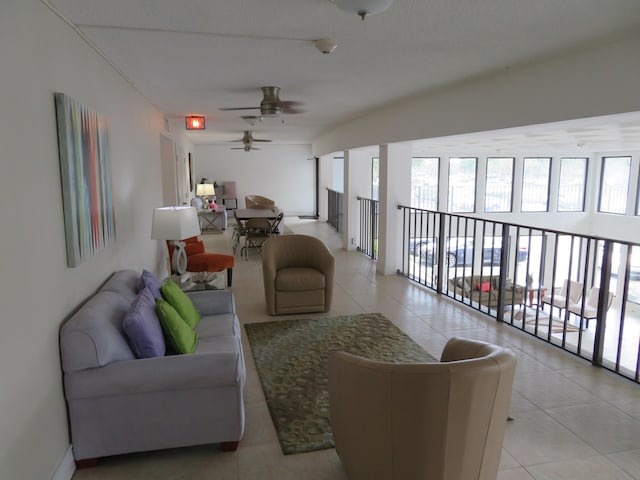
<point x="291" y="358"/>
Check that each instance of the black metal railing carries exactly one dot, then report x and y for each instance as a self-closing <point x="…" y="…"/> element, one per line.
<point x="556" y="285"/>
<point x="369" y="227"/>
<point x="335" y="212"/>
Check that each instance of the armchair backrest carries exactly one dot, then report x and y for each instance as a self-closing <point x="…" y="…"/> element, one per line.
<point x="258" y="201"/>
<point x="441" y="421"/>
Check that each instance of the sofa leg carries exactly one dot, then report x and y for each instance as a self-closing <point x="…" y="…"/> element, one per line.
<point x="229" y="446"/>
<point x="86" y="463"/>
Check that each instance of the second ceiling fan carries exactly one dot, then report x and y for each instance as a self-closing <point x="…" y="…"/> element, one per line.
<point x="247" y="142"/>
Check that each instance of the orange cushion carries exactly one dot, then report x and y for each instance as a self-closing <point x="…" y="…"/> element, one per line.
<point x="209" y="262"/>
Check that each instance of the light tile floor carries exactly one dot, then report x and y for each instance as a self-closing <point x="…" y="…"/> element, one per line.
<point x="572" y="421"/>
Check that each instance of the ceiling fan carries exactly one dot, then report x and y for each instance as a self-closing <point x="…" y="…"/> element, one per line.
<point x="247" y="137"/>
<point x="247" y="142"/>
<point x="247" y="147"/>
<point x="271" y="105"/>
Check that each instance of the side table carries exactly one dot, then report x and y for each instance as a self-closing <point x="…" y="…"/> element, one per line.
<point x="213" y="220"/>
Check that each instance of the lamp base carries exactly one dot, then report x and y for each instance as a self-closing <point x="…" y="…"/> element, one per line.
<point x="181" y="279"/>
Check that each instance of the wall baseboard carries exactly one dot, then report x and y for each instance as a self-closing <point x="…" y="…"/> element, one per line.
<point x="66" y="466"/>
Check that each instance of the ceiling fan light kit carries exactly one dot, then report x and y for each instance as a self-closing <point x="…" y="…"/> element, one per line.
<point x="326" y="45"/>
<point x="363" y="7"/>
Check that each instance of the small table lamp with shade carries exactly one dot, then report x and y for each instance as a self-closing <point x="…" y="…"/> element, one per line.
<point x="175" y="224"/>
<point x="206" y="191"/>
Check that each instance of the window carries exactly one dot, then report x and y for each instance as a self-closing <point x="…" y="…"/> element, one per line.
<point x="424" y="182"/>
<point x="499" y="185"/>
<point x="535" y="184"/>
<point x="614" y="184"/>
<point x="375" y="178"/>
<point x="462" y="184"/>
<point x="573" y="176"/>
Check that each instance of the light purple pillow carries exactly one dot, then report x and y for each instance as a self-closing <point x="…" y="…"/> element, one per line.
<point x="150" y="281"/>
<point x="142" y="327"/>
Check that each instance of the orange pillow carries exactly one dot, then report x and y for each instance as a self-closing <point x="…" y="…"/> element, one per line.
<point x="484" y="286"/>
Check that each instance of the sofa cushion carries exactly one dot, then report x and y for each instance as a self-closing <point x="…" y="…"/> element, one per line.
<point x="225" y="324"/>
<point x="180" y="335"/>
<point x="150" y="281"/>
<point x="173" y="294"/>
<point x="294" y="279"/>
<point x="143" y="328"/>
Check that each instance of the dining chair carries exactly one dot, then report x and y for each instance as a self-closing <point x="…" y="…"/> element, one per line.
<point x="257" y="230"/>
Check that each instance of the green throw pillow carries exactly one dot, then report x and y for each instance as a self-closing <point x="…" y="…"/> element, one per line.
<point x="180" y="335"/>
<point x="179" y="300"/>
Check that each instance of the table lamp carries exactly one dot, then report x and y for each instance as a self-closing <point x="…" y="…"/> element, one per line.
<point x="175" y="224"/>
<point x="205" y="190"/>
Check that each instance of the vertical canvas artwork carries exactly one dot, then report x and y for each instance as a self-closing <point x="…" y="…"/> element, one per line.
<point x="85" y="168"/>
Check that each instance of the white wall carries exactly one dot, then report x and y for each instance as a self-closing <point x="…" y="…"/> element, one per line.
<point x="40" y="54"/>
<point x="284" y="173"/>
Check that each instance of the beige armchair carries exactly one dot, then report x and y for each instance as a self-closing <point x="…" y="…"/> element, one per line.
<point x="258" y="201"/>
<point x="439" y="421"/>
<point x="298" y="274"/>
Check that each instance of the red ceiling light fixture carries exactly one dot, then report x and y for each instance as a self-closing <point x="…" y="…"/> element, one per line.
<point x="194" y="122"/>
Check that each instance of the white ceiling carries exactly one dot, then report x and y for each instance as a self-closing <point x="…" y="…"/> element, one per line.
<point x="197" y="56"/>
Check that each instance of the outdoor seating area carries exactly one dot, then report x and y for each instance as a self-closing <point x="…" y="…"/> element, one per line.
<point x="484" y="289"/>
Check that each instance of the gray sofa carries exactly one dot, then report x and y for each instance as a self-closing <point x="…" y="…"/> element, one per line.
<point x="119" y="404"/>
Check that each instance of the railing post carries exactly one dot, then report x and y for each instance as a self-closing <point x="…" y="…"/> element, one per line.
<point x="601" y="315"/>
<point x="504" y="269"/>
<point x="441" y="254"/>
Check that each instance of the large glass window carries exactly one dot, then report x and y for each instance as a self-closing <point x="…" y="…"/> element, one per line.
<point x="535" y="184"/>
<point x="499" y="185"/>
<point x="573" y="176"/>
<point x="462" y="184"/>
<point x="614" y="184"/>
<point x="424" y="182"/>
<point x="375" y="178"/>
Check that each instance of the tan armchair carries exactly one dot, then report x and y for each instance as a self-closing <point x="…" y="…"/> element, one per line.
<point x="298" y="275"/>
<point x="258" y="201"/>
<point x="439" y="421"/>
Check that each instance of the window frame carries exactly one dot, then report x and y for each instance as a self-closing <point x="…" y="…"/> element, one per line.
<point x="475" y="184"/>
<point x="511" y="193"/>
<point x="602" y="171"/>
<point x="584" y="183"/>
<point x="522" y="198"/>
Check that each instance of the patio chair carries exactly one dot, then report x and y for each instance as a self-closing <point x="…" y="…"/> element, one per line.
<point x="590" y="309"/>
<point x="569" y="294"/>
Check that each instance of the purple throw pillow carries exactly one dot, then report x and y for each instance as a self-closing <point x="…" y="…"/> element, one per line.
<point x="150" y="281"/>
<point x="142" y="327"/>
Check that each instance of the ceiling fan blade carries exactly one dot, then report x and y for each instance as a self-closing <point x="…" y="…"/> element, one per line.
<point x="290" y="107"/>
<point x="261" y="140"/>
<point x="240" y="108"/>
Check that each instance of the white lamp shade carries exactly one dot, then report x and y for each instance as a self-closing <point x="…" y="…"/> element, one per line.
<point x="205" y="190"/>
<point x="174" y="223"/>
<point x="369" y="7"/>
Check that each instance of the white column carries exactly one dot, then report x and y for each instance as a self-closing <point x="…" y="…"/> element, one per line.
<point x="395" y="189"/>
<point x="357" y="183"/>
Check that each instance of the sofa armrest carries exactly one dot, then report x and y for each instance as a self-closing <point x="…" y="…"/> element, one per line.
<point x="173" y="372"/>
<point x="213" y="302"/>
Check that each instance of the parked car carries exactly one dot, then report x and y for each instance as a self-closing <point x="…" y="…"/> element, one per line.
<point x="460" y="251"/>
